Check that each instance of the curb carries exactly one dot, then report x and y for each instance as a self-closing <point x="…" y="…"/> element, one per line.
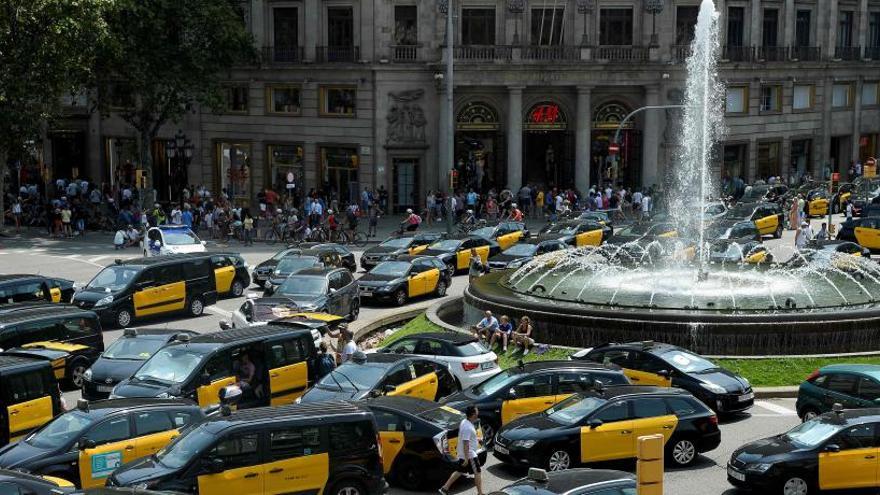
<point x="776" y="392"/>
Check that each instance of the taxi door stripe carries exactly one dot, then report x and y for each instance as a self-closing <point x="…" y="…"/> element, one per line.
<point x="163" y="303"/>
<point x="289" y="391"/>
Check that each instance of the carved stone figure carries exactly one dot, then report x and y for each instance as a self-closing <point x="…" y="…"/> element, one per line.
<point x="406" y="119"/>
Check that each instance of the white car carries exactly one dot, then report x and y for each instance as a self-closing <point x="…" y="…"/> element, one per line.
<point x="171" y="239"/>
<point x="469" y="359"/>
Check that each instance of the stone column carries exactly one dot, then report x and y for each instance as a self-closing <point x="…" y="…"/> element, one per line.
<point x="831" y="28"/>
<point x="862" y="35"/>
<point x="825" y="146"/>
<point x="857" y="119"/>
<point x="755" y="24"/>
<point x="651" y="133"/>
<point x="314" y="14"/>
<point x="583" y="138"/>
<point x="514" y="137"/>
<point x="789" y="15"/>
<point x="259" y="24"/>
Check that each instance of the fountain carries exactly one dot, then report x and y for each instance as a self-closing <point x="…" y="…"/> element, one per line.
<point x="813" y="303"/>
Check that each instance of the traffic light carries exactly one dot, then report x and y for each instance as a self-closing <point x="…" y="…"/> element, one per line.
<point x="453" y="179"/>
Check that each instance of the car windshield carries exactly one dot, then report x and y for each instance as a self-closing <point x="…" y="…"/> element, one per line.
<point x="494" y="384"/>
<point x="687" y="362"/>
<point x="186" y="447"/>
<point x="727" y="250"/>
<point x="180" y="237"/>
<point x="391" y="268"/>
<point x="133" y="348"/>
<point x="303" y="286"/>
<point x="574" y="409"/>
<point x="714" y="209"/>
<point x="742" y="211"/>
<point x="61" y="430"/>
<point x="170" y="365"/>
<point x="484" y="232"/>
<point x="446" y="245"/>
<point x="353" y="377"/>
<point x="397" y="242"/>
<point x="114" y="277"/>
<point x="293" y="265"/>
<point x="562" y="228"/>
<point x="283" y="253"/>
<point x="811" y="433"/>
<point x="443" y="416"/>
<point x="521" y="250"/>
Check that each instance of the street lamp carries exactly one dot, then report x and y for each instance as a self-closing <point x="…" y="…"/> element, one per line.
<point x="179" y="151"/>
<point x="585" y="7"/>
<point x="516" y="7"/>
<point x="654" y="7"/>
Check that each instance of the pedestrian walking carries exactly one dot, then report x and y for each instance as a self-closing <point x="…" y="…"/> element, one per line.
<point x="804" y="235"/>
<point x="468" y="445"/>
<point x="248" y="228"/>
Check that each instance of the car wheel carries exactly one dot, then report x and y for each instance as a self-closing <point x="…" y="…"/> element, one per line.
<point x="355" y="310"/>
<point x="441" y="288"/>
<point x="809" y="413"/>
<point x="123" y="318"/>
<point x="237" y="288"/>
<point x="488" y="434"/>
<point x="348" y="487"/>
<point x="75" y="373"/>
<point x="795" y="485"/>
<point x="778" y="233"/>
<point x="400" y="297"/>
<point x="408" y="474"/>
<point x="558" y="460"/>
<point x="260" y="284"/>
<point x="196" y="307"/>
<point x="683" y="452"/>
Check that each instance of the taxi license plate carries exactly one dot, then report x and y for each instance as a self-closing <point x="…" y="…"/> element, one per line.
<point x="748" y="396"/>
<point x="488" y="365"/>
<point x="733" y="473"/>
<point x="105" y="388"/>
<point x="501" y="450"/>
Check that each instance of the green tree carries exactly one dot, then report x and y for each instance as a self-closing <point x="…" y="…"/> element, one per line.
<point x="162" y="57"/>
<point x="47" y="50"/>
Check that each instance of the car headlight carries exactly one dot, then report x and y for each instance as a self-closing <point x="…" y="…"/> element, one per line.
<point x="745" y="381"/>
<point x="114" y="396"/>
<point x="711" y="387"/>
<point x="104" y="301"/>
<point x="760" y="467"/>
<point x="88" y="374"/>
<point x="387" y="257"/>
<point x="385" y="288"/>
<point x="515" y="264"/>
<point x="164" y="395"/>
<point x="524" y="444"/>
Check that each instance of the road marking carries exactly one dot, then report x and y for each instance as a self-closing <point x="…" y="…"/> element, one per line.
<point x="219" y="312"/>
<point x="781" y="411"/>
<point x="99" y="258"/>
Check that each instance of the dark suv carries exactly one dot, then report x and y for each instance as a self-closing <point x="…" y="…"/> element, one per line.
<point x="323" y="290"/>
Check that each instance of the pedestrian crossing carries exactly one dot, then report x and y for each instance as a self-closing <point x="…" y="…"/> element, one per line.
<point x="773" y="408"/>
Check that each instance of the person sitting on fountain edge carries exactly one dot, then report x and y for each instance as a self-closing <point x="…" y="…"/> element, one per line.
<point x="486" y="327"/>
<point x="523" y="335"/>
<point x="502" y="333"/>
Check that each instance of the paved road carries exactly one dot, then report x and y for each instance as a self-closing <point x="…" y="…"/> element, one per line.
<point x="79" y="260"/>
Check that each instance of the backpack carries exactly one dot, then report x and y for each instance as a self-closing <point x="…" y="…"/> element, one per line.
<point x="325" y="365"/>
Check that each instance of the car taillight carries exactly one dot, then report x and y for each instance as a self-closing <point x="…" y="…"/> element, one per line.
<point x="441" y="441"/>
<point x="813" y="375"/>
<point x="379" y="448"/>
<point x="469" y="366"/>
<point x="713" y="420"/>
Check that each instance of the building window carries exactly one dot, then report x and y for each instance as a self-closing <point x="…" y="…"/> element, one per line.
<point x="338" y="101"/>
<point x="339" y="172"/>
<point x="283" y="99"/>
<point x="735" y="26"/>
<point x="801" y="156"/>
<point x="770" y="28"/>
<point x="340" y="27"/>
<point x="406" y="25"/>
<point x="616" y="27"/>
<point x="845" y="28"/>
<point x="685" y="22"/>
<point x="869" y="94"/>
<point x="768" y="160"/>
<point x="547" y="26"/>
<point x="841" y="96"/>
<point x="236" y="98"/>
<point x="802" y="28"/>
<point x="771" y="98"/>
<point x="737" y="100"/>
<point x="802" y="98"/>
<point x="285" y="159"/>
<point x="734" y="161"/>
<point x="234" y="169"/>
<point x="285" y="29"/>
<point x="477" y="26"/>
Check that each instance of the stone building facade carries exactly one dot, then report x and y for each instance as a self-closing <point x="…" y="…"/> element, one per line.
<point x="349" y="94"/>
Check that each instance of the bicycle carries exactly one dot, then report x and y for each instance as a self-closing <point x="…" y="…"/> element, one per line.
<point x="358" y="239"/>
<point x="278" y="232"/>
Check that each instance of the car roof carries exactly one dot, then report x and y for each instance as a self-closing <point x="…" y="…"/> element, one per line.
<point x="866" y="369"/>
<point x="19" y="276"/>
<point x="165" y="258"/>
<point x="109" y="406"/>
<point x="537" y="366"/>
<point x="321" y="245"/>
<point x="9" y="362"/>
<point x="451" y="337"/>
<point x="242" y="334"/>
<point x="616" y="391"/>
<point x="414" y="257"/>
<point x="411" y="405"/>
<point x="383" y="358"/>
<point x="156" y="333"/>
<point x="316" y="272"/>
<point x="851" y="416"/>
<point x="10" y="316"/>
<point x="287" y="412"/>
<point x="6" y="474"/>
<point x="570" y="479"/>
<point x="645" y="345"/>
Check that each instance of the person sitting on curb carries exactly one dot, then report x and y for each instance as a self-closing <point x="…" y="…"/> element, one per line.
<point x="486" y="327"/>
<point x="505" y="328"/>
<point x="523" y="335"/>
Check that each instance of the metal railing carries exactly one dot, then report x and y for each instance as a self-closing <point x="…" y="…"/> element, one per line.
<point x="482" y="52"/>
<point x="680" y="53"/>
<point x="772" y="53"/>
<point x="621" y="53"/>
<point x="338" y="53"/>
<point x="848" y="52"/>
<point x="405" y="53"/>
<point x="872" y="52"/>
<point x="805" y="53"/>
<point x="274" y="54"/>
<point x="551" y="53"/>
<point x="737" y="53"/>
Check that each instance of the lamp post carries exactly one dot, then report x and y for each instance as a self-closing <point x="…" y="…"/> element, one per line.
<point x="447" y="131"/>
<point x="585" y="7"/>
<point x="516" y="7"/>
<point x="179" y="151"/>
<point x="654" y="7"/>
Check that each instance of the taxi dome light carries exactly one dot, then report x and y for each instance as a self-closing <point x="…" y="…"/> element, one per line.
<point x="82" y="405"/>
<point x="537" y="474"/>
<point x="117" y="261"/>
<point x="129" y="332"/>
<point x="359" y="357"/>
<point x="837" y="408"/>
<point x="229" y="394"/>
<point x="182" y="337"/>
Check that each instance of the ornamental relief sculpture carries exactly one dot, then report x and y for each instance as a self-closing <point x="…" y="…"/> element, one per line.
<point x="406" y="119"/>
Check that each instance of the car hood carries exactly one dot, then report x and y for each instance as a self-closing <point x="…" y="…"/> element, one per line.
<point x="764" y="450"/>
<point x="21" y="455"/>
<point x="134" y="388"/>
<point x="91" y="295"/>
<point x="266" y="266"/>
<point x="140" y="470"/>
<point x="321" y="394"/>
<point x="372" y="279"/>
<point x="436" y="252"/>
<point x="110" y="371"/>
<point x="380" y="250"/>
<point x="556" y="235"/>
<point x="533" y="427"/>
<point x="304" y="300"/>
<point x="730" y="381"/>
<point x="507" y="258"/>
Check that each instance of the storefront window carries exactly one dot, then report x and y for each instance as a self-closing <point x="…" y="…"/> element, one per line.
<point x="284" y="99"/>
<point x="234" y="164"/>
<point x="122" y="160"/>
<point x="768" y="160"/>
<point x="339" y="101"/>
<point x="339" y="171"/>
<point x="800" y="157"/>
<point x="285" y="159"/>
<point x="867" y="147"/>
<point x="734" y="160"/>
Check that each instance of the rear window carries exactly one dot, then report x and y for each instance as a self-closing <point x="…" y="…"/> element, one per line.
<point x="443" y="416"/>
<point x="196" y="269"/>
<point x="468" y="349"/>
<point x="352" y="438"/>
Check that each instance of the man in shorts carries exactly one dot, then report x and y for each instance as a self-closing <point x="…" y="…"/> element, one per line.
<point x="468" y="444"/>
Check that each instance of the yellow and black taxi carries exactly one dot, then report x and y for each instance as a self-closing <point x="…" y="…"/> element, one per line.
<point x="70" y="337"/>
<point x="605" y="425"/>
<point x="767" y="217"/>
<point x="294" y="263"/>
<point x="283" y="358"/>
<point x="265" y="310"/>
<point x="645" y="231"/>
<point x="863" y="231"/>
<point x="732" y="252"/>
<point x="20" y="483"/>
<point x="580" y="481"/>
<point x="835" y="451"/>
<point x="529" y="388"/>
<point x="346" y="257"/>
<point x="506" y="234"/>
<point x="22" y="288"/>
<point x="419" y="439"/>
<point x="123" y="357"/>
<point x="735" y="230"/>
<point x="29" y="396"/>
<point x="86" y="444"/>
<point x="230" y="274"/>
<point x="387" y="250"/>
<point x="843" y="193"/>
<point x="127" y="291"/>
<point x="845" y="256"/>
<point x="406" y="277"/>
<point x="817" y="202"/>
<point x="455" y="251"/>
<point x="521" y="253"/>
<point x="577" y="233"/>
<point x="665" y="365"/>
<point x="375" y="374"/>
<point x="329" y="448"/>
<point x="601" y="216"/>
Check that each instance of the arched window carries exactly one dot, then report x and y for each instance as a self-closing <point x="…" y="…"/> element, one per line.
<point x="477" y="116"/>
<point x="545" y="116"/>
<point x="609" y="116"/>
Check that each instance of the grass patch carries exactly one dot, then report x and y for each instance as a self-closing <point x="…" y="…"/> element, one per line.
<point x="421" y="324"/>
<point x="785" y="371"/>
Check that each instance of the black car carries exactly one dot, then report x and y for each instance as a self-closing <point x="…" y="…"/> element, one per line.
<point x="530" y="388"/>
<point x="287" y="266"/>
<point x="604" y="425"/>
<point x="346" y="256"/>
<point x="655" y="363"/>
<point x="404" y="278"/>
<point x="726" y="229"/>
<point x="751" y="252"/>
<point x="20" y="483"/>
<point x="23" y="288"/>
<point x="578" y="233"/>
<point x="412" y="243"/>
<point x="519" y="254"/>
<point x="264" y="270"/>
<point x="580" y="481"/>
<point x="455" y="251"/>
<point x="837" y="450"/>
<point x="645" y="231"/>
<point x="768" y="217"/>
<point x="123" y="357"/>
<point x="323" y="290"/>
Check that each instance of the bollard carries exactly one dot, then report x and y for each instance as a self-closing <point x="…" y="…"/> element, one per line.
<point x="649" y="467"/>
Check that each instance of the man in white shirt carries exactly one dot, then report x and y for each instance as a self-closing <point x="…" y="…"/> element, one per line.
<point x="468" y="445"/>
<point x="348" y="348"/>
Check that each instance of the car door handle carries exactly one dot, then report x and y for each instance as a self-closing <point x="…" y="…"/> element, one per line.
<point x="251" y="475"/>
<point x="549" y="402"/>
<point x="625" y="432"/>
<point x="433" y="381"/>
<point x="668" y="427"/>
<point x="129" y="447"/>
<point x="870" y="457"/>
<point x="13" y="412"/>
<point x="394" y="440"/>
<point x="274" y="375"/>
<point x="276" y="470"/>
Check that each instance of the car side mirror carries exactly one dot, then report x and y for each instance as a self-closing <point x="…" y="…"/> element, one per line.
<point x="332" y="291"/>
<point x="87" y="443"/>
<point x="204" y="243"/>
<point x="387" y="389"/>
<point x="511" y="394"/>
<point x="832" y="447"/>
<point x="595" y="423"/>
<point x="664" y="373"/>
<point x="225" y="325"/>
<point x="216" y="465"/>
<point x="204" y="379"/>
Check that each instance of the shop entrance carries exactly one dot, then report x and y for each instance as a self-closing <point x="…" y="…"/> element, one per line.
<point x="626" y="166"/>
<point x="547" y="159"/>
<point x="406" y="176"/>
<point x="479" y="145"/>
<point x="68" y="155"/>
